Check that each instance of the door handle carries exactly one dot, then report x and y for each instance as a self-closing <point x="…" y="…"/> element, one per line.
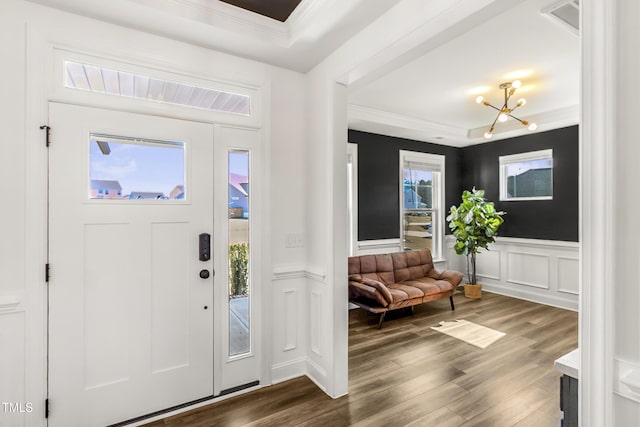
<point x="205" y="246"/>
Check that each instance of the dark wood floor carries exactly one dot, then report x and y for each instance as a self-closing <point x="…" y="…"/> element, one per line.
<point x="410" y="375"/>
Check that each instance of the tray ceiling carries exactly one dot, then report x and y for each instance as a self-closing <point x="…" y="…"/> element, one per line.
<point x="274" y="9"/>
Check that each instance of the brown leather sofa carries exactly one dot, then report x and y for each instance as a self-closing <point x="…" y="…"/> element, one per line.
<point x="380" y="283"/>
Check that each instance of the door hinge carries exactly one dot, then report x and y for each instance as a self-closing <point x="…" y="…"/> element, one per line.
<point x="48" y="134"/>
<point x="47" y="275"/>
<point x="46" y="408"/>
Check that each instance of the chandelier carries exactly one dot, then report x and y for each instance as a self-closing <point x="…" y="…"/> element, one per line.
<point x="505" y="111"/>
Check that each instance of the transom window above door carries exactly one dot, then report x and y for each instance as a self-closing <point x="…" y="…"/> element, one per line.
<point x="108" y="81"/>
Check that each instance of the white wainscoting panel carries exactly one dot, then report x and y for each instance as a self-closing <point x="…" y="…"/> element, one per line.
<point x="568" y="281"/>
<point x="289" y="339"/>
<point x="290" y="319"/>
<point x="528" y="269"/>
<point x="315" y="305"/>
<point x="542" y="271"/>
<point x="12" y="364"/>
<point x="488" y="265"/>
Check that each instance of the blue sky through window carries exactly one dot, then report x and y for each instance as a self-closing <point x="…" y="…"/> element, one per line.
<point x="239" y="163"/>
<point x="149" y="168"/>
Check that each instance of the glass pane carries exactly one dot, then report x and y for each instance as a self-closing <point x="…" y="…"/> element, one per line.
<point x="128" y="168"/>
<point x="418" y="188"/>
<point x="417" y="229"/>
<point x="239" y="284"/>
<point x="114" y="82"/>
<point x="533" y="178"/>
<point x="417" y="216"/>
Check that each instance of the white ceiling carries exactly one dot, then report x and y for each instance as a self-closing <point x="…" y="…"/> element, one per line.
<point x="430" y="98"/>
<point x="314" y="30"/>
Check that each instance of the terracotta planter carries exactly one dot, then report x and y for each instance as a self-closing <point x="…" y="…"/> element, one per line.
<point x="472" y="291"/>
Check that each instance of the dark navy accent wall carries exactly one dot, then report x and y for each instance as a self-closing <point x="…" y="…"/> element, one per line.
<point x="555" y="219"/>
<point x="379" y="185"/>
<point x="477" y="165"/>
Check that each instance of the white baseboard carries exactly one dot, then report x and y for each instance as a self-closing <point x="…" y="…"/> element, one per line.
<point x="317" y="375"/>
<point x="288" y="370"/>
<point x="550" y="300"/>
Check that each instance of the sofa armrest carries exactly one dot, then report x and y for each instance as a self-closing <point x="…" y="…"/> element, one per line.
<point x="453" y="277"/>
<point x="369" y="288"/>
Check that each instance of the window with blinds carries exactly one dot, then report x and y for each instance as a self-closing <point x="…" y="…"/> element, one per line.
<point x="421" y="202"/>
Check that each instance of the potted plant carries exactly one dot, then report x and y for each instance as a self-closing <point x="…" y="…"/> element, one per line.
<point x="474" y="224"/>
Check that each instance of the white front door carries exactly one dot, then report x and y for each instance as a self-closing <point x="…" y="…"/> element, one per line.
<point x="131" y="307"/>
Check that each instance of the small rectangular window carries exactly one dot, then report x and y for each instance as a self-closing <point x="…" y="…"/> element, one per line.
<point x="527" y="176"/>
<point x="135" y="169"/>
<point x="239" y="253"/>
<point x="95" y="79"/>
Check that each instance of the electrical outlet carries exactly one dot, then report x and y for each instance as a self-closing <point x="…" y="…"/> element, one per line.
<point x="294" y="240"/>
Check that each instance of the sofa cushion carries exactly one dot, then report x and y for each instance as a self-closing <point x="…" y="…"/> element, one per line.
<point x="401" y="291"/>
<point x="429" y="285"/>
<point x="411" y="265"/>
<point x="375" y="267"/>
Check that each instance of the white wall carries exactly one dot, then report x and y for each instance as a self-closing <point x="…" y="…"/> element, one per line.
<point x="289" y="306"/>
<point x="26" y="33"/>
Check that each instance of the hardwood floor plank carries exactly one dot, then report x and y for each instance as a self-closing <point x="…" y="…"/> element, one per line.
<point x="410" y="409"/>
<point x="407" y="374"/>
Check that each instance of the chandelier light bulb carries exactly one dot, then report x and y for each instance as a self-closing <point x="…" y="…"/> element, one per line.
<point x="502" y="114"/>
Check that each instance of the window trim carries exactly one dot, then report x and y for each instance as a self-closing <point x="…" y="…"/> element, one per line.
<point x="504" y="161"/>
<point x="437" y="163"/>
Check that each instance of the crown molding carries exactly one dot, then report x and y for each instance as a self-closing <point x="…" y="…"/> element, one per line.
<point x="302" y="15"/>
<point x="368" y="119"/>
<point x="223" y="15"/>
<point x="359" y="116"/>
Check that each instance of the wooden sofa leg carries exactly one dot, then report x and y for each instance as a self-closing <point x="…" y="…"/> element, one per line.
<point x="381" y="319"/>
<point x="451" y="301"/>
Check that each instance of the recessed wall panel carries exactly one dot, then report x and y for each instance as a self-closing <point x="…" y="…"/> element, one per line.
<point x="107" y="283"/>
<point x="568" y="275"/>
<point x="290" y="319"/>
<point x="12" y="369"/>
<point x="488" y="264"/>
<point x="169" y="296"/>
<point x="316" y="321"/>
<point x="528" y="269"/>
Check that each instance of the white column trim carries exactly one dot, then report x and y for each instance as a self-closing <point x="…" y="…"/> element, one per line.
<point x="597" y="169"/>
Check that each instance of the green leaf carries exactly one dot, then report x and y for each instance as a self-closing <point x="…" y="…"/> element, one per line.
<point x="474" y="223"/>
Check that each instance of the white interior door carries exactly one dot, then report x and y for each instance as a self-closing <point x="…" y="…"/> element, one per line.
<point x="130" y="317"/>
